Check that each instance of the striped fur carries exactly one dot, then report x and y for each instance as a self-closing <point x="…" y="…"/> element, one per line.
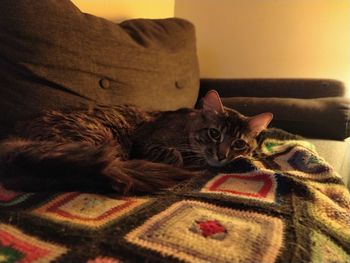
<point x="121" y="148"/>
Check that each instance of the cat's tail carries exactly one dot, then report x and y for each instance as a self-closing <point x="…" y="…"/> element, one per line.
<point x="30" y="165"/>
<point x="145" y="176"/>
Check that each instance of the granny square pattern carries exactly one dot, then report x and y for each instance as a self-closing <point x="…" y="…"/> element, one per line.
<point x="302" y="162"/>
<point x="331" y="209"/>
<point x="325" y="250"/>
<point x="282" y="204"/>
<point x="199" y="232"/>
<point x="15" y="246"/>
<point x="87" y="210"/>
<point x="259" y="185"/>
<point x="273" y="146"/>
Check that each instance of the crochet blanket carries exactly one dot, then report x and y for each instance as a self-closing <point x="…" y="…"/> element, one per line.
<point x="285" y="204"/>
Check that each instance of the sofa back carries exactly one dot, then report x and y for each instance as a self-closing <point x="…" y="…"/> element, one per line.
<point x="52" y="56"/>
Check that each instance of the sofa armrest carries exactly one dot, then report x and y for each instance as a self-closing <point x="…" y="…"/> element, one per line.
<point x="278" y="88"/>
<point x="326" y="118"/>
<point x="313" y="108"/>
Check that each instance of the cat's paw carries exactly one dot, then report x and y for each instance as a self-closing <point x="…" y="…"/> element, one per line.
<point x="162" y="154"/>
<point x="174" y="157"/>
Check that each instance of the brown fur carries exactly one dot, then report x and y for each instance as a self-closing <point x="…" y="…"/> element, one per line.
<point x="118" y="148"/>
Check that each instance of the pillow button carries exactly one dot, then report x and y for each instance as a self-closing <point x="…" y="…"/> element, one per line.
<point x="105" y="83"/>
<point x="180" y="84"/>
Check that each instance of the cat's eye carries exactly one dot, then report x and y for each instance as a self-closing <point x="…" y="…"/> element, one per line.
<point x="214" y="134"/>
<point x="239" y="145"/>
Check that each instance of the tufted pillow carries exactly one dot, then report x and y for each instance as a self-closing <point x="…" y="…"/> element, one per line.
<point x="52" y="56"/>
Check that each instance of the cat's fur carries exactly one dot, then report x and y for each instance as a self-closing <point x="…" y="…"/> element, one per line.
<point x="125" y="148"/>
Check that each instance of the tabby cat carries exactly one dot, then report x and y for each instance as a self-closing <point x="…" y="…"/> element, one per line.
<point x="124" y="148"/>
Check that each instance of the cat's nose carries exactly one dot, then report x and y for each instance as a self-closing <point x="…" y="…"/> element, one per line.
<point x="223" y="151"/>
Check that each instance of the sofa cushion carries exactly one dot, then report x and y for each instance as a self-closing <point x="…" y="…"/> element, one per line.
<point x="53" y="56"/>
<point x="326" y="118"/>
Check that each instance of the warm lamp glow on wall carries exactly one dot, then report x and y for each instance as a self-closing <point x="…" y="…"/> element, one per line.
<point x="125" y="9"/>
<point x="271" y="39"/>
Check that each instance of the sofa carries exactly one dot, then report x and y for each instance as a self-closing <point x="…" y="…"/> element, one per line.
<point x="287" y="203"/>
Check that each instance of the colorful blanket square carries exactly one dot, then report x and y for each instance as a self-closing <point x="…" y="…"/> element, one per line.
<point x="88" y="210"/>
<point x="15" y="246"/>
<point x="11" y="198"/>
<point x="301" y="162"/>
<point x="272" y="146"/>
<point x="325" y="250"/>
<point x="331" y="208"/>
<point x="200" y="232"/>
<point x="260" y="185"/>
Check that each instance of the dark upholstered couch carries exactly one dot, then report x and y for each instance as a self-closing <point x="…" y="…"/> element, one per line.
<point x="52" y="56"/>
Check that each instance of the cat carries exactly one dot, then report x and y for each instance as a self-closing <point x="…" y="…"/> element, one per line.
<point x="126" y="149"/>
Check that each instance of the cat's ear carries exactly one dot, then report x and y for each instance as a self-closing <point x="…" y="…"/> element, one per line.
<point x="258" y="123"/>
<point x="212" y="101"/>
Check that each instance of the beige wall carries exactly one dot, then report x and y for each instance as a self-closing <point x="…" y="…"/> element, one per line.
<point x="271" y="38"/>
<point x="117" y="10"/>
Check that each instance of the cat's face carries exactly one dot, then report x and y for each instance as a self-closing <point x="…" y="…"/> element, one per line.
<point x="220" y="135"/>
<point x="220" y="138"/>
